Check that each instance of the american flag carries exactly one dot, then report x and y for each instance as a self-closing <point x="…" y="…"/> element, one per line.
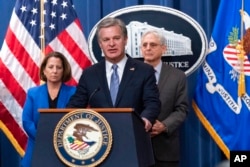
<point x="230" y="55"/>
<point x="79" y="146"/>
<point x="20" y="56"/>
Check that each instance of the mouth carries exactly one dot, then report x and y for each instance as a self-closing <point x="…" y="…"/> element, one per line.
<point x="148" y="54"/>
<point x="112" y="50"/>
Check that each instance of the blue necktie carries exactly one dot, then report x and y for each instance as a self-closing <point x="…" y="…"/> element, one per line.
<point x="114" y="84"/>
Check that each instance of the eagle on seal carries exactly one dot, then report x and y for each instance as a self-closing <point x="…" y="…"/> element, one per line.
<point x="81" y="131"/>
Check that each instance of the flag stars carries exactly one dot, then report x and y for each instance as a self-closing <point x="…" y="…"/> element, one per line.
<point x="33" y="22"/>
<point x="42" y="24"/>
<point x="53" y="14"/>
<point x="34" y="11"/>
<point x="64" y="4"/>
<point x="44" y="12"/>
<point x="63" y="16"/>
<point x="41" y="36"/>
<point x="54" y="2"/>
<point x="23" y="9"/>
<point x="52" y="26"/>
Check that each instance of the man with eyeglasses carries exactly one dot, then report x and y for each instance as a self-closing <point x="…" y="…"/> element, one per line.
<point x="174" y="102"/>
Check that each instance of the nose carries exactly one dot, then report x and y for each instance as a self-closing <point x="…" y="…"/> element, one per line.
<point x="54" y="69"/>
<point x="148" y="46"/>
<point x="111" y="42"/>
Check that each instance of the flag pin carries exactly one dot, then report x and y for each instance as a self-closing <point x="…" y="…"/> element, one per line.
<point x="132" y="69"/>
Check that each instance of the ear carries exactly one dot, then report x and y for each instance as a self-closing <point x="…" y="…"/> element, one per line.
<point x="100" y="44"/>
<point x="126" y="40"/>
<point x="164" y="49"/>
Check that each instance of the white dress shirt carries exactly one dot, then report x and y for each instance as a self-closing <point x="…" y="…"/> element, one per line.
<point x="158" y="71"/>
<point x="120" y="69"/>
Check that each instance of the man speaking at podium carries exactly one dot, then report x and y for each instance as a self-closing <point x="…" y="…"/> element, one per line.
<point x="118" y="81"/>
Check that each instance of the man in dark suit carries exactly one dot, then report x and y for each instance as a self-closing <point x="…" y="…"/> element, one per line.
<point x="174" y="102"/>
<point x="137" y="83"/>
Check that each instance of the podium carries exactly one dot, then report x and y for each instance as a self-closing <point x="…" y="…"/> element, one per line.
<point x="131" y="143"/>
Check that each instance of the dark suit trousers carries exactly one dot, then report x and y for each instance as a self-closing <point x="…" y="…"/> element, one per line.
<point x="166" y="164"/>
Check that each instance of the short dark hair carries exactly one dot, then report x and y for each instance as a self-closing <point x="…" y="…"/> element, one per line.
<point x="108" y="22"/>
<point x="66" y="66"/>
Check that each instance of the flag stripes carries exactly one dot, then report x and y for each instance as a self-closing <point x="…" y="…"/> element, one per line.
<point x="20" y="57"/>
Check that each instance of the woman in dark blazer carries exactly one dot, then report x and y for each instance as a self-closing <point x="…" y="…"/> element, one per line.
<point x="54" y="71"/>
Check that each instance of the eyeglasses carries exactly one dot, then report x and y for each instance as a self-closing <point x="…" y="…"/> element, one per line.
<point x="151" y="45"/>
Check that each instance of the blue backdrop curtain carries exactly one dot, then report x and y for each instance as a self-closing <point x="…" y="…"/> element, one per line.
<point x="198" y="149"/>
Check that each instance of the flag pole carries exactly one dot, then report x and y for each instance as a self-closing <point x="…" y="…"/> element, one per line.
<point x="42" y="35"/>
<point x="42" y="23"/>
<point x="241" y="57"/>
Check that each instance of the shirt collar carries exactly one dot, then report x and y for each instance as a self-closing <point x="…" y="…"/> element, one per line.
<point x="158" y="67"/>
<point x="121" y="64"/>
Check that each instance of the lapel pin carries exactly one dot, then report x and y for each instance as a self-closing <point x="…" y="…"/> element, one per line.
<point x="132" y="69"/>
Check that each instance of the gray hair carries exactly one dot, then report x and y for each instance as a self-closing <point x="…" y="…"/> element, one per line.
<point x="157" y="33"/>
<point x="108" y="22"/>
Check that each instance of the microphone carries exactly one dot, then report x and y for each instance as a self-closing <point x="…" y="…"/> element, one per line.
<point x="92" y="94"/>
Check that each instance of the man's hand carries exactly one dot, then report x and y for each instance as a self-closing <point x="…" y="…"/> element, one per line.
<point x="147" y="125"/>
<point x="158" y="128"/>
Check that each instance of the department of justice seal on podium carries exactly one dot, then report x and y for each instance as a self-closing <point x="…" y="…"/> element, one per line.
<point x="82" y="138"/>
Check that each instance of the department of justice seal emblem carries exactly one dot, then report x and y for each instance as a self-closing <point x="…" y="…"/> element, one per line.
<point x="82" y="138"/>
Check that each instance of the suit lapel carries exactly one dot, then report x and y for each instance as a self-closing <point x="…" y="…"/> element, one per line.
<point x="101" y="73"/>
<point x="61" y="100"/>
<point x="128" y="73"/>
<point x="44" y="94"/>
<point x="163" y="76"/>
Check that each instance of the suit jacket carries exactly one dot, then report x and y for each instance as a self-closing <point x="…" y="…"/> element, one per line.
<point x="173" y="95"/>
<point x="137" y="89"/>
<point x="37" y="97"/>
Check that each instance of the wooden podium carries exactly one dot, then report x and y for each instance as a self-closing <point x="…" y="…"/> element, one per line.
<point x="131" y="145"/>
